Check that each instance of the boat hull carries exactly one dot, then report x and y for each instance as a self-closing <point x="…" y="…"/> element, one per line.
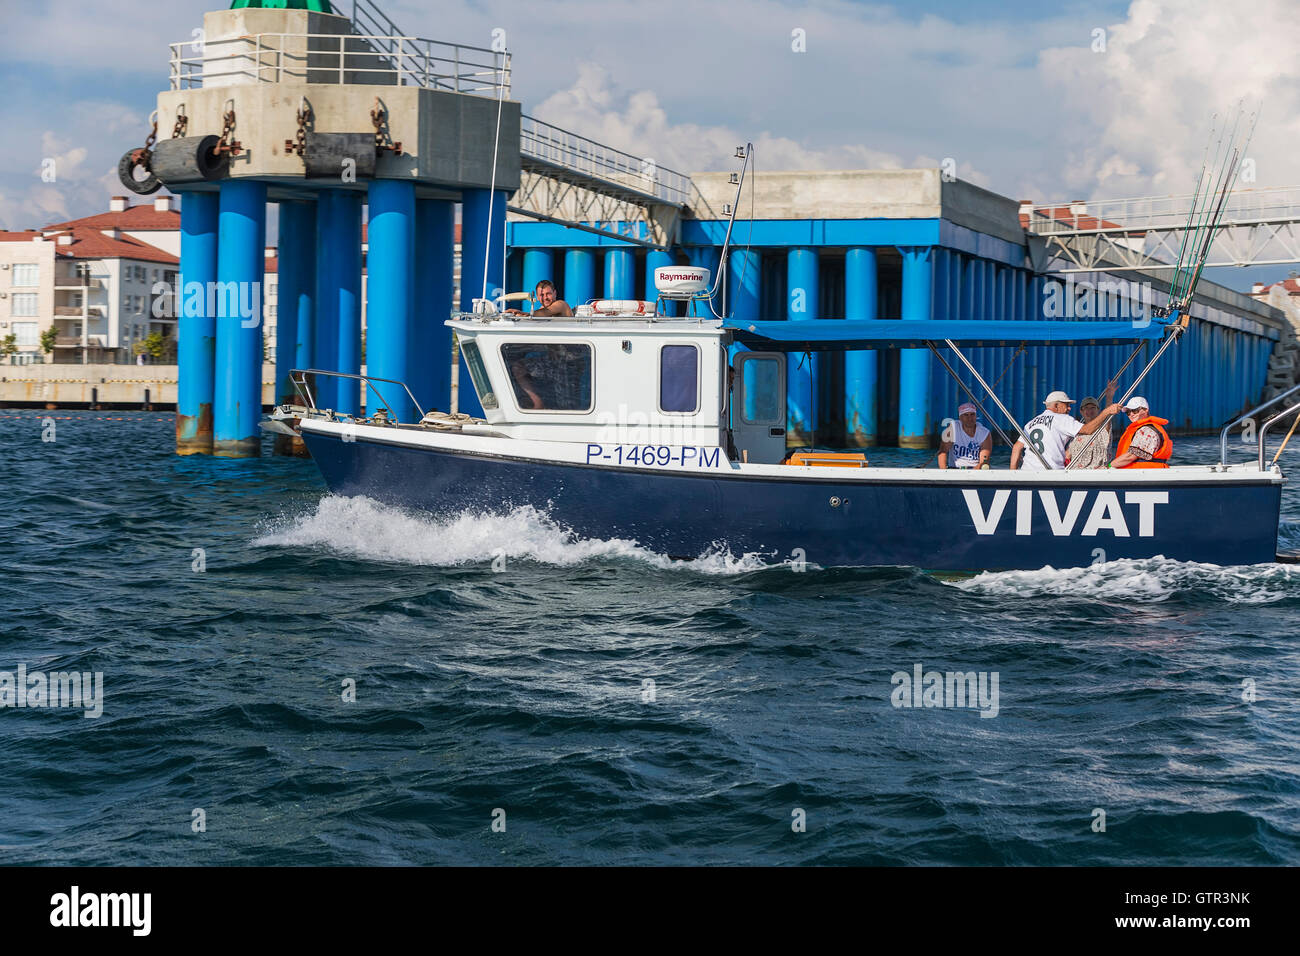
<point x="937" y="525"/>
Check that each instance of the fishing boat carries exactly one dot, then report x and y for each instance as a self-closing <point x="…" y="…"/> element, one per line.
<point x="631" y="421"/>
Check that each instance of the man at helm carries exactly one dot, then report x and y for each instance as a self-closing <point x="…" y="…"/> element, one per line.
<point x="1145" y="443"/>
<point x="548" y="303"/>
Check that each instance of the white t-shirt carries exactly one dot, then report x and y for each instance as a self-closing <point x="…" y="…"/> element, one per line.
<point x="965" y="451"/>
<point x="1050" y="433"/>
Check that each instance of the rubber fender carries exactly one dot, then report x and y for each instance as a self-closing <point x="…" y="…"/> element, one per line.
<point x="126" y="167"/>
<point x="189" y="159"/>
<point x="331" y="154"/>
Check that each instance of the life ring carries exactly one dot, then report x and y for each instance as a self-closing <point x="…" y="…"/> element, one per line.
<point x="623" y="307"/>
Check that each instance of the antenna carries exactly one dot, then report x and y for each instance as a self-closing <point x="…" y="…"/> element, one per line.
<point x="492" y="192"/>
<point x="729" y="209"/>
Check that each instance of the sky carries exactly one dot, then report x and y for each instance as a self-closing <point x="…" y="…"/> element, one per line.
<point x="1069" y="100"/>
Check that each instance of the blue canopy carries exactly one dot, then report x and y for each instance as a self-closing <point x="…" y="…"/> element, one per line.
<point x="850" y="335"/>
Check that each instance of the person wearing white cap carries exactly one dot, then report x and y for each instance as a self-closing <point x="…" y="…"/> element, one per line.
<point x="1051" y="431"/>
<point x="1145" y="443"/>
<point x="966" y="444"/>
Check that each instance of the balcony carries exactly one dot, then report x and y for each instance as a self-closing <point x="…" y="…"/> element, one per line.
<point x="74" y="341"/>
<point x="71" y="282"/>
<point x="68" y="311"/>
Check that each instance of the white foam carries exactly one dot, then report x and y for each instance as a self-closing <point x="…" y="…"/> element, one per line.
<point x="363" y="528"/>
<point x="1150" y="579"/>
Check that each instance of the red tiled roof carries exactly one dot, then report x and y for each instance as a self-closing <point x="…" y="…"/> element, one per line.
<point x="138" y="218"/>
<point x="1076" y="220"/>
<point x="93" y="244"/>
<point x="1292" y="286"/>
<point x="23" y="235"/>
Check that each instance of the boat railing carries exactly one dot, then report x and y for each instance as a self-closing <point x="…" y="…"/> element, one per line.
<point x="1263" y="430"/>
<point x="1246" y="416"/>
<point x="298" y="377"/>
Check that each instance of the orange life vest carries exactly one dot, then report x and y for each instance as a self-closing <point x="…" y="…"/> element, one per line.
<point x="1161" y="457"/>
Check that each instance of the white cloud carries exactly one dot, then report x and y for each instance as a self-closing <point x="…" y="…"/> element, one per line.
<point x="635" y="122"/>
<point x="1134" y="120"/>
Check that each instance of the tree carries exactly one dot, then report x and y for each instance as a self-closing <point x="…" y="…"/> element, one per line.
<point x="154" y="345"/>
<point x="9" y="344"/>
<point x="48" y="338"/>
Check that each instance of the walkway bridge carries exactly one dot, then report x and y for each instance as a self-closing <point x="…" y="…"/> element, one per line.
<point x="1260" y="227"/>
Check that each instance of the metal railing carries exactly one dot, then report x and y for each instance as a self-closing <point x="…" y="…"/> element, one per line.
<point x="1223" y="435"/>
<point x="586" y="157"/>
<point x="298" y="377"/>
<point x="340" y="58"/>
<point x="1263" y="431"/>
<point x="1135" y="216"/>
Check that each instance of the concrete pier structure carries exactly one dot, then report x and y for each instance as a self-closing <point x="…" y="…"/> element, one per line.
<point x="322" y="120"/>
<point x="892" y="244"/>
<point x="309" y="112"/>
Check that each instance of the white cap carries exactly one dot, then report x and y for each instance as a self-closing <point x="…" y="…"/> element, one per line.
<point x="966" y="408"/>
<point x="1137" y="401"/>
<point x="1058" y="396"/>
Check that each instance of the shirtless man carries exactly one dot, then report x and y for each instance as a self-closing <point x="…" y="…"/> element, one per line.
<point x="548" y="303"/>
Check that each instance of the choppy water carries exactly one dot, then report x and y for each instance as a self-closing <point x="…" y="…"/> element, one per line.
<point x="524" y="689"/>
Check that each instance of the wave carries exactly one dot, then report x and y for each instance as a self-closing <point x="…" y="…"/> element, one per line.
<point x="363" y="528"/>
<point x="1152" y="579"/>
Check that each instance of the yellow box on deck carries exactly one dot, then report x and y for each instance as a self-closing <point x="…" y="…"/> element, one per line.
<point x="828" y="459"/>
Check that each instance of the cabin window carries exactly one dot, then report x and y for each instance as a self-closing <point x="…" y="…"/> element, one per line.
<point x="764" y="399"/>
<point x="679" y="378"/>
<point x="478" y="374"/>
<point x="550" y="378"/>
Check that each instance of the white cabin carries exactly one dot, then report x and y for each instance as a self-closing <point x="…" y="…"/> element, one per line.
<point x="654" y="381"/>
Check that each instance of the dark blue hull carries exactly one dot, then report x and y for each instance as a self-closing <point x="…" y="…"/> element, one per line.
<point x="880" y="522"/>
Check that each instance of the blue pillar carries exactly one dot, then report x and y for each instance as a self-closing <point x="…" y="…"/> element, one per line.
<point x="620" y="274"/>
<point x="579" y="277"/>
<point x="657" y="259"/>
<point x="304" y="225"/>
<point x="860" y="279"/>
<point x="296" y="255"/>
<point x="482" y="257"/>
<point x="744" y="283"/>
<point x="296" y="252"/>
<point x="241" y="261"/>
<point x="349" y="225"/>
<point x="390" y="267"/>
<point x="429" y="361"/>
<point x="914" y="364"/>
<point x="802" y="372"/>
<point x="196" y="333"/>
<point x="539" y="264"/>
<point x="325" y="335"/>
<point x="482" y="231"/>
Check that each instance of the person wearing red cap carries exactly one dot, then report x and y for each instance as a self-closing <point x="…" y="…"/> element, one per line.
<point x="1051" y="431"/>
<point x="966" y="444"/>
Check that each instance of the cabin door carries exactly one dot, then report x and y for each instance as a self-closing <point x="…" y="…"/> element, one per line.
<point x="758" y="407"/>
